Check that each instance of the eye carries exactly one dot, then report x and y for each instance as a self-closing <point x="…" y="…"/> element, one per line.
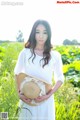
<point x="37" y="32"/>
<point x="45" y="32"/>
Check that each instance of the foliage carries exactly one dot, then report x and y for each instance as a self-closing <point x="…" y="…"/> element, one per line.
<point x="70" y="42"/>
<point x="67" y="103"/>
<point x="67" y="98"/>
<point x="68" y="112"/>
<point x="9" y="98"/>
<point x="71" y="60"/>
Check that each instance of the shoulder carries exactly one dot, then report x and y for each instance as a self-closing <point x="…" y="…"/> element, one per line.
<point x="25" y="50"/>
<point x="55" y="54"/>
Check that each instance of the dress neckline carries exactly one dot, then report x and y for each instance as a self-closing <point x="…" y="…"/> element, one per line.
<point x="38" y="55"/>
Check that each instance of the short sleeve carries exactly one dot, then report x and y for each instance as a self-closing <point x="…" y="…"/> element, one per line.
<point x="58" y="72"/>
<point x="20" y="65"/>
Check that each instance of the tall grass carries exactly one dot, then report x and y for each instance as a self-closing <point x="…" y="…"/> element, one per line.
<point x="67" y="100"/>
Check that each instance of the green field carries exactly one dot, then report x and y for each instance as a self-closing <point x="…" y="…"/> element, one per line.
<point x="67" y="98"/>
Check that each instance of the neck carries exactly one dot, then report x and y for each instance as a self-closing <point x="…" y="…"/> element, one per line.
<point x="39" y="47"/>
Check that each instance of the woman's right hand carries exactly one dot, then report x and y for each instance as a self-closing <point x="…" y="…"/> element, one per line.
<point x="24" y="98"/>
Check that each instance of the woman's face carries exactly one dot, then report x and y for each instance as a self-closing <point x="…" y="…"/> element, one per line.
<point x="41" y="34"/>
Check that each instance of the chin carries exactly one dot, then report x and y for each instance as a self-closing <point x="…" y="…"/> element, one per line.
<point x="41" y="43"/>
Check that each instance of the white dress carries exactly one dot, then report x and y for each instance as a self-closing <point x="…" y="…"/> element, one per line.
<point x="46" y="110"/>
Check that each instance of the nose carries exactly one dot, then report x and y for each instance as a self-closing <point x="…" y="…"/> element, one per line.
<point x="41" y="35"/>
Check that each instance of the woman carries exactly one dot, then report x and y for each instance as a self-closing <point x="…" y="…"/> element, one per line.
<point x="39" y="60"/>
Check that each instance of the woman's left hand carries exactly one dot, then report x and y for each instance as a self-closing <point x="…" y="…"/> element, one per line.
<point x="42" y="98"/>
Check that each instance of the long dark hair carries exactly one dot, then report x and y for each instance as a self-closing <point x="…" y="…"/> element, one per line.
<point x="31" y="43"/>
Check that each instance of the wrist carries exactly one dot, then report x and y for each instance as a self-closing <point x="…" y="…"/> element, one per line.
<point x="50" y="92"/>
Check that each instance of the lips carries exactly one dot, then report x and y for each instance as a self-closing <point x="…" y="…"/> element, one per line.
<point x="41" y="40"/>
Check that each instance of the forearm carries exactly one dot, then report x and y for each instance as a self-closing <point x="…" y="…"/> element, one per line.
<point x="55" y="87"/>
<point x="17" y="83"/>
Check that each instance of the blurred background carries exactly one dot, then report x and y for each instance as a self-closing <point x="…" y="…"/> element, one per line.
<point x="20" y="15"/>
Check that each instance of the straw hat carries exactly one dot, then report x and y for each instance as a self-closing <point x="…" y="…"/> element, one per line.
<point x="30" y="88"/>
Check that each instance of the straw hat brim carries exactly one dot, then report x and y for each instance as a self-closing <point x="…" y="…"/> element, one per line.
<point x="31" y="89"/>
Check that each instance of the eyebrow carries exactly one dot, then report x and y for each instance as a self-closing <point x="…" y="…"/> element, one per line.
<point x="38" y="30"/>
